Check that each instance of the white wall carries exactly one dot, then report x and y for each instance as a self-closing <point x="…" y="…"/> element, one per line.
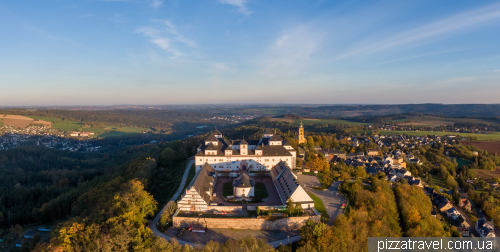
<point x="258" y="162"/>
<point x="248" y="191"/>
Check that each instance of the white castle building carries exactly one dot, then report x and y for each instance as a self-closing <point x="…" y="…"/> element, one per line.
<point x="244" y="155"/>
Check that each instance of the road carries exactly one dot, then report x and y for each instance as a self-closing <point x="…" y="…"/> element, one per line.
<point x="480" y="214"/>
<point x="152" y="224"/>
<point x="331" y="197"/>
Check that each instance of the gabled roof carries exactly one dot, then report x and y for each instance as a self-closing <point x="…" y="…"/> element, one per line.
<point x="276" y="138"/>
<point x="243" y="142"/>
<point x="244" y="180"/>
<point x="211" y="146"/>
<point x="211" y="137"/>
<point x="268" y="132"/>
<point x="202" y="181"/>
<point x="217" y="132"/>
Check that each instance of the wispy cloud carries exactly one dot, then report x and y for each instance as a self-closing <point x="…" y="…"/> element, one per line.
<point x="153" y="3"/>
<point x="417" y="56"/>
<point x="238" y="3"/>
<point x="156" y="4"/>
<point x="433" y="31"/>
<point x="166" y="38"/>
<point x="496" y="70"/>
<point x="291" y="50"/>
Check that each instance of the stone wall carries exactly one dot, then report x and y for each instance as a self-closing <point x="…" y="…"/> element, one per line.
<point x="284" y="224"/>
<point x="225" y="208"/>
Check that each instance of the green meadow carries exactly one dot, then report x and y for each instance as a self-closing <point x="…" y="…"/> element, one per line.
<point x="480" y="137"/>
<point x="327" y="121"/>
<point x="104" y="131"/>
<point x="495" y="136"/>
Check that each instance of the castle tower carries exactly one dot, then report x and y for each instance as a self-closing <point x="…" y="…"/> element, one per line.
<point x="302" y="139"/>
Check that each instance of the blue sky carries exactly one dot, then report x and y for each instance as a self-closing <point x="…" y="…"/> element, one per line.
<point x="104" y="52"/>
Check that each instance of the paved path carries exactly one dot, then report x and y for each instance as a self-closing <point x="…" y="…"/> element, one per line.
<point x="479" y="212"/>
<point x="276" y="244"/>
<point x="331" y="197"/>
<point x="152" y="224"/>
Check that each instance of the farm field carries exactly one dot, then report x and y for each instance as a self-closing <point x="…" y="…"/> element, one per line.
<point x="480" y="137"/>
<point x="105" y="131"/>
<point x="488" y="174"/>
<point x="317" y="121"/>
<point x="116" y="134"/>
<point x="17" y="120"/>
<point x="62" y="125"/>
<point x="327" y="121"/>
<point x="490" y="147"/>
<point x="439" y="121"/>
<point x="67" y="125"/>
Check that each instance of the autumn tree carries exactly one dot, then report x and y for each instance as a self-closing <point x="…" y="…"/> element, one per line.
<point x="360" y="172"/>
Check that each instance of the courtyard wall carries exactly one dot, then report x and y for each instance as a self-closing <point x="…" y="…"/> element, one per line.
<point x="284" y="224"/>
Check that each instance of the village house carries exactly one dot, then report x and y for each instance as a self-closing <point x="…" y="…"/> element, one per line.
<point x="287" y="186"/>
<point x="464" y="204"/>
<point x="199" y="193"/>
<point x="372" y="152"/>
<point x="485" y="228"/>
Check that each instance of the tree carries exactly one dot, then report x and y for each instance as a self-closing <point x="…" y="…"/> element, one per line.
<point x="344" y="176"/>
<point x="310" y="143"/>
<point x="290" y="208"/>
<point x="450" y="182"/>
<point x="360" y="172"/>
<point x="258" y="211"/>
<point x="18" y="230"/>
<point x="298" y="208"/>
<point x="166" y="216"/>
<point x="299" y="162"/>
<point x="166" y="156"/>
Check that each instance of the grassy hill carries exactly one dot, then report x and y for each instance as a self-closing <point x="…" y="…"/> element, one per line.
<point x="495" y="136"/>
<point x="432" y="121"/>
<point x="104" y="131"/>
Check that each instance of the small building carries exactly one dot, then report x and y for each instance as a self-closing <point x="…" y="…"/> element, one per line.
<point x="243" y="186"/>
<point x="401" y="173"/>
<point x="30" y="234"/>
<point x="199" y="193"/>
<point x="465" y="204"/>
<point x="452" y="213"/>
<point x="288" y="188"/>
<point x="464" y="231"/>
<point x="485" y="228"/>
<point x="372" y="152"/>
<point x="43" y="229"/>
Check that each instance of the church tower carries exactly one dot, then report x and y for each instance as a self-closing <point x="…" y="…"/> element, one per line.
<point x="302" y="139"/>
